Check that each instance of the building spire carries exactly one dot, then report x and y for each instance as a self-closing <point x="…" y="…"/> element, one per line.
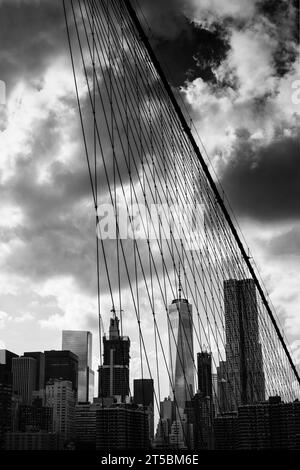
<point x="179" y="283"/>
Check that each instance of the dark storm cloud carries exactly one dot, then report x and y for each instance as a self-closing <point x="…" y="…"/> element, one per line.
<point x="263" y="182"/>
<point x="185" y="50"/>
<point x="166" y="19"/>
<point x="194" y="53"/>
<point x="283" y="15"/>
<point x="31" y="34"/>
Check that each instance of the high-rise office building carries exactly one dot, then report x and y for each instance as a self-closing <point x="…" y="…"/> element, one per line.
<point x="225" y="398"/>
<point x="85" y="425"/>
<point x="269" y="425"/>
<point x="166" y="419"/>
<point x="226" y="431"/>
<point x="167" y="410"/>
<point x="40" y="368"/>
<point x="24" y="377"/>
<point x="114" y="373"/>
<point x="61" y="397"/>
<point x="6" y="390"/>
<point x="5" y="402"/>
<point x="204" y="370"/>
<point x="181" y="352"/>
<point x="121" y="426"/>
<point x="6" y="358"/>
<point x="80" y="343"/>
<point x="143" y="391"/>
<point x="61" y="365"/>
<point x="15" y="409"/>
<point x="144" y="395"/>
<point x="200" y="414"/>
<point x="215" y="392"/>
<point x="243" y="349"/>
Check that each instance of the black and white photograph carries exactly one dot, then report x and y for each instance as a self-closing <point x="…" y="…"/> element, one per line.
<point x="149" y="229"/>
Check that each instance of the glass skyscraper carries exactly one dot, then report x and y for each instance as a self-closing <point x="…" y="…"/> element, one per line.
<point x="24" y="377"/>
<point x="204" y="369"/>
<point x="80" y="343"/>
<point x="40" y="368"/>
<point x="144" y="395"/>
<point x="243" y="349"/>
<point x="181" y="352"/>
<point x="61" y="365"/>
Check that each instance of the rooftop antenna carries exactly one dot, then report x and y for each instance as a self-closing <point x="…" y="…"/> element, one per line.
<point x="179" y="279"/>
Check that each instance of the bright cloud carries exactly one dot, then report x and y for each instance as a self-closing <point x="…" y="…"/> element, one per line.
<point x="4" y="317"/>
<point x="210" y="10"/>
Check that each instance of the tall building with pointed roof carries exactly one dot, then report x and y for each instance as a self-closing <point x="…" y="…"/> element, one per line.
<point x="181" y="351"/>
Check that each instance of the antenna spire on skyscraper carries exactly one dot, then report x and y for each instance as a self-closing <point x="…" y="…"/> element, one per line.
<point x="179" y="283"/>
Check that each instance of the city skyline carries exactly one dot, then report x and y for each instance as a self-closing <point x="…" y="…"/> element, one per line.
<point x="197" y="368"/>
<point x="45" y="387"/>
<point x="182" y="354"/>
<point x="132" y="166"/>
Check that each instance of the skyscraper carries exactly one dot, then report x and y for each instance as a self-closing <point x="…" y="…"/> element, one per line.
<point x="24" y="377"/>
<point x="204" y="373"/>
<point x="243" y="349"/>
<point x="85" y="425"/>
<point x="272" y="424"/>
<point x="80" y="343"/>
<point x="224" y="397"/>
<point x="6" y="358"/>
<point x="167" y="410"/>
<point x="40" y="368"/>
<point x="215" y="392"/>
<point x="226" y="431"/>
<point x="60" y="396"/>
<point x="5" y="402"/>
<point x="121" y="426"/>
<point x="114" y="373"/>
<point x="268" y="425"/>
<point x="143" y="390"/>
<point x="200" y="414"/>
<point x="61" y="365"/>
<point x="181" y="352"/>
<point x="6" y="388"/>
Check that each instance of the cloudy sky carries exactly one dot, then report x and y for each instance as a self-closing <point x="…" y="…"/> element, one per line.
<point x="236" y="64"/>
